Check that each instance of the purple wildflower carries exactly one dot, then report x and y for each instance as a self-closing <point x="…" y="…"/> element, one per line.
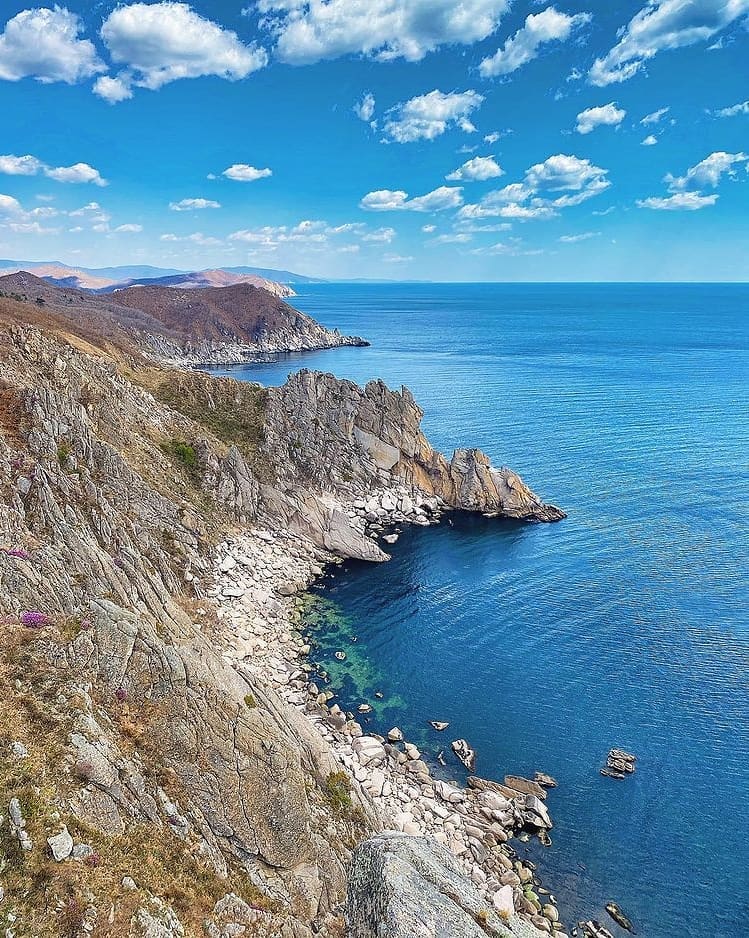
<point x="35" y="620"/>
<point x="20" y="552"/>
<point x="120" y="694"/>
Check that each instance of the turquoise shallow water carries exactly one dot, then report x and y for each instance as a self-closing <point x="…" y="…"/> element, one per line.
<point x="627" y="624"/>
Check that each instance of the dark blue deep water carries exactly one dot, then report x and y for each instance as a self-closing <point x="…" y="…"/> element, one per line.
<point x="627" y="624"/>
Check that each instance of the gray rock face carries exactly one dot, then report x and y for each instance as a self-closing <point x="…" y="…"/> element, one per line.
<point x="411" y="887"/>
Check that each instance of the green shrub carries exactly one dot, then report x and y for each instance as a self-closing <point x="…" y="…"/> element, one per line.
<point x="182" y="453"/>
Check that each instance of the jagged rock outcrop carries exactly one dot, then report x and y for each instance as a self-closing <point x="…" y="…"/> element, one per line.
<point x="340" y="437"/>
<point x="402" y="887"/>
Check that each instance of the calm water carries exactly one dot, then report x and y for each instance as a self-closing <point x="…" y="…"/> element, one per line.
<point x="624" y="625"/>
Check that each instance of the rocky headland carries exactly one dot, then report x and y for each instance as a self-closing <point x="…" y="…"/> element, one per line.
<point x="183" y="325"/>
<point x="168" y="765"/>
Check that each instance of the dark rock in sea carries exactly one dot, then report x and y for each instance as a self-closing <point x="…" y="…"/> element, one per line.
<point x="438" y="725"/>
<point x="619" y="917"/>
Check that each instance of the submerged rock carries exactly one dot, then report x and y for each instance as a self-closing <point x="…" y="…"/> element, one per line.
<point x="619" y="917"/>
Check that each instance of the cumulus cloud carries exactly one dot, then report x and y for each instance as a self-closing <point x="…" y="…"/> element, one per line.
<point x="734" y="110"/>
<point x="78" y="172"/>
<point x="113" y="90"/>
<point x="681" y="202"/>
<point x="45" y="45"/>
<point x="655" y="117"/>
<point x="188" y="205"/>
<point x="389" y="200"/>
<point x="365" y="108"/>
<point x="310" y="30"/>
<point x="686" y="189"/>
<point x="478" y="169"/>
<point x="241" y="172"/>
<point x="20" y="165"/>
<point x="547" y="26"/>
<point x="561" y="181"/>
<point x="707" y="172"/>
<point x="128" y="229"/>
<point x="649" y="141"/>
<point x="15" y="218"/>
<point x="606" y="115"/>
<point x="157" y="43"/>
<point x="396" y="258"/>
<point x="661" y="25"/>
<point x="32" y="166"/>
<point x="428" y="116"/>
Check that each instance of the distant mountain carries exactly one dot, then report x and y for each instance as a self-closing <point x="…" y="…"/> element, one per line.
<point x="93" y="278"/>
<point x="282" y="276"/>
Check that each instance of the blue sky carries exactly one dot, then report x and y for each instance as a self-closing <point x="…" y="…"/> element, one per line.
<point x="435" y="139"/>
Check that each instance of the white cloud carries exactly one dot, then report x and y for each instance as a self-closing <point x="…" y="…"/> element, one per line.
<point x="562" y="172"/>
<point x="477" y="169"/>
<point x="460" y="237"/>
<point x="608" y="115"/>
<point x="113" y="90"/>
<point x="396" y="259"/>
<point x="44" y="44"/>
<point x="157" y="43"/>
<point x="661" y="25"/>
<point x="428" y="229"/>
<point x="492" y="137"/>
<point x="196" y="238"/>
<point x="655" y="117"/>
<point x="387" y="200"/>
<point x="382" y="235"/>
<point x="14" y="217"/>
<point x="188" y="205"/>
<point x="9" y="205"/>
<point x="310" y="235"/>
<point x="682" y="201"/>
<point x="707" y="172"/>
<point x="734" y="110"/>
<point x="548" y="26"/>
<point x="31" y="166"/>
<point x="365" y="108"/>
<point x="20" y="165"/>
<point x="649" y="141"/>
<point x="429" y="115"/>
<point x="128" y="229"/>
<point x="310" y="30"/>
<point x="78" y="172"/>
<point x="576" y="238"/>
<point x="559" y="182"/>
<point x="241" y="172"/>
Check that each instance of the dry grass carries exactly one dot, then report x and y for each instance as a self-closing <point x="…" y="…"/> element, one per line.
<point x="51" y="899"/>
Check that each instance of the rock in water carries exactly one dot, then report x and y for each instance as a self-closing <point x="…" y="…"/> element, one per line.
<point x="619" y="917"/>
<point x="438" y="725"/>
<point x="464" y="752"/>
<point x="544" y="780"/>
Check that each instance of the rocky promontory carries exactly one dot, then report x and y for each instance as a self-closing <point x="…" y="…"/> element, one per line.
<point x="166" y="769"/>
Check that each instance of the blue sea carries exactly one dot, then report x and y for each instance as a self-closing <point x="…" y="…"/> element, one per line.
<point x="625" y="625"/>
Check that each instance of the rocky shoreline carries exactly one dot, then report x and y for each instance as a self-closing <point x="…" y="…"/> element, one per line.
<point x="210" y="355"/>
<point x="259" y="577"/>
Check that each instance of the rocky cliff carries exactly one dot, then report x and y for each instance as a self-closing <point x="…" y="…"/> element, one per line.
<point x="155" y="779"/>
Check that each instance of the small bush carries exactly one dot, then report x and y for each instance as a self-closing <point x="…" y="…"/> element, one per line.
<point x="250" y="702"/>
<point x="338" y="792"/>
<point x="63" y="453"/>
<point x="182" y="453"/>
